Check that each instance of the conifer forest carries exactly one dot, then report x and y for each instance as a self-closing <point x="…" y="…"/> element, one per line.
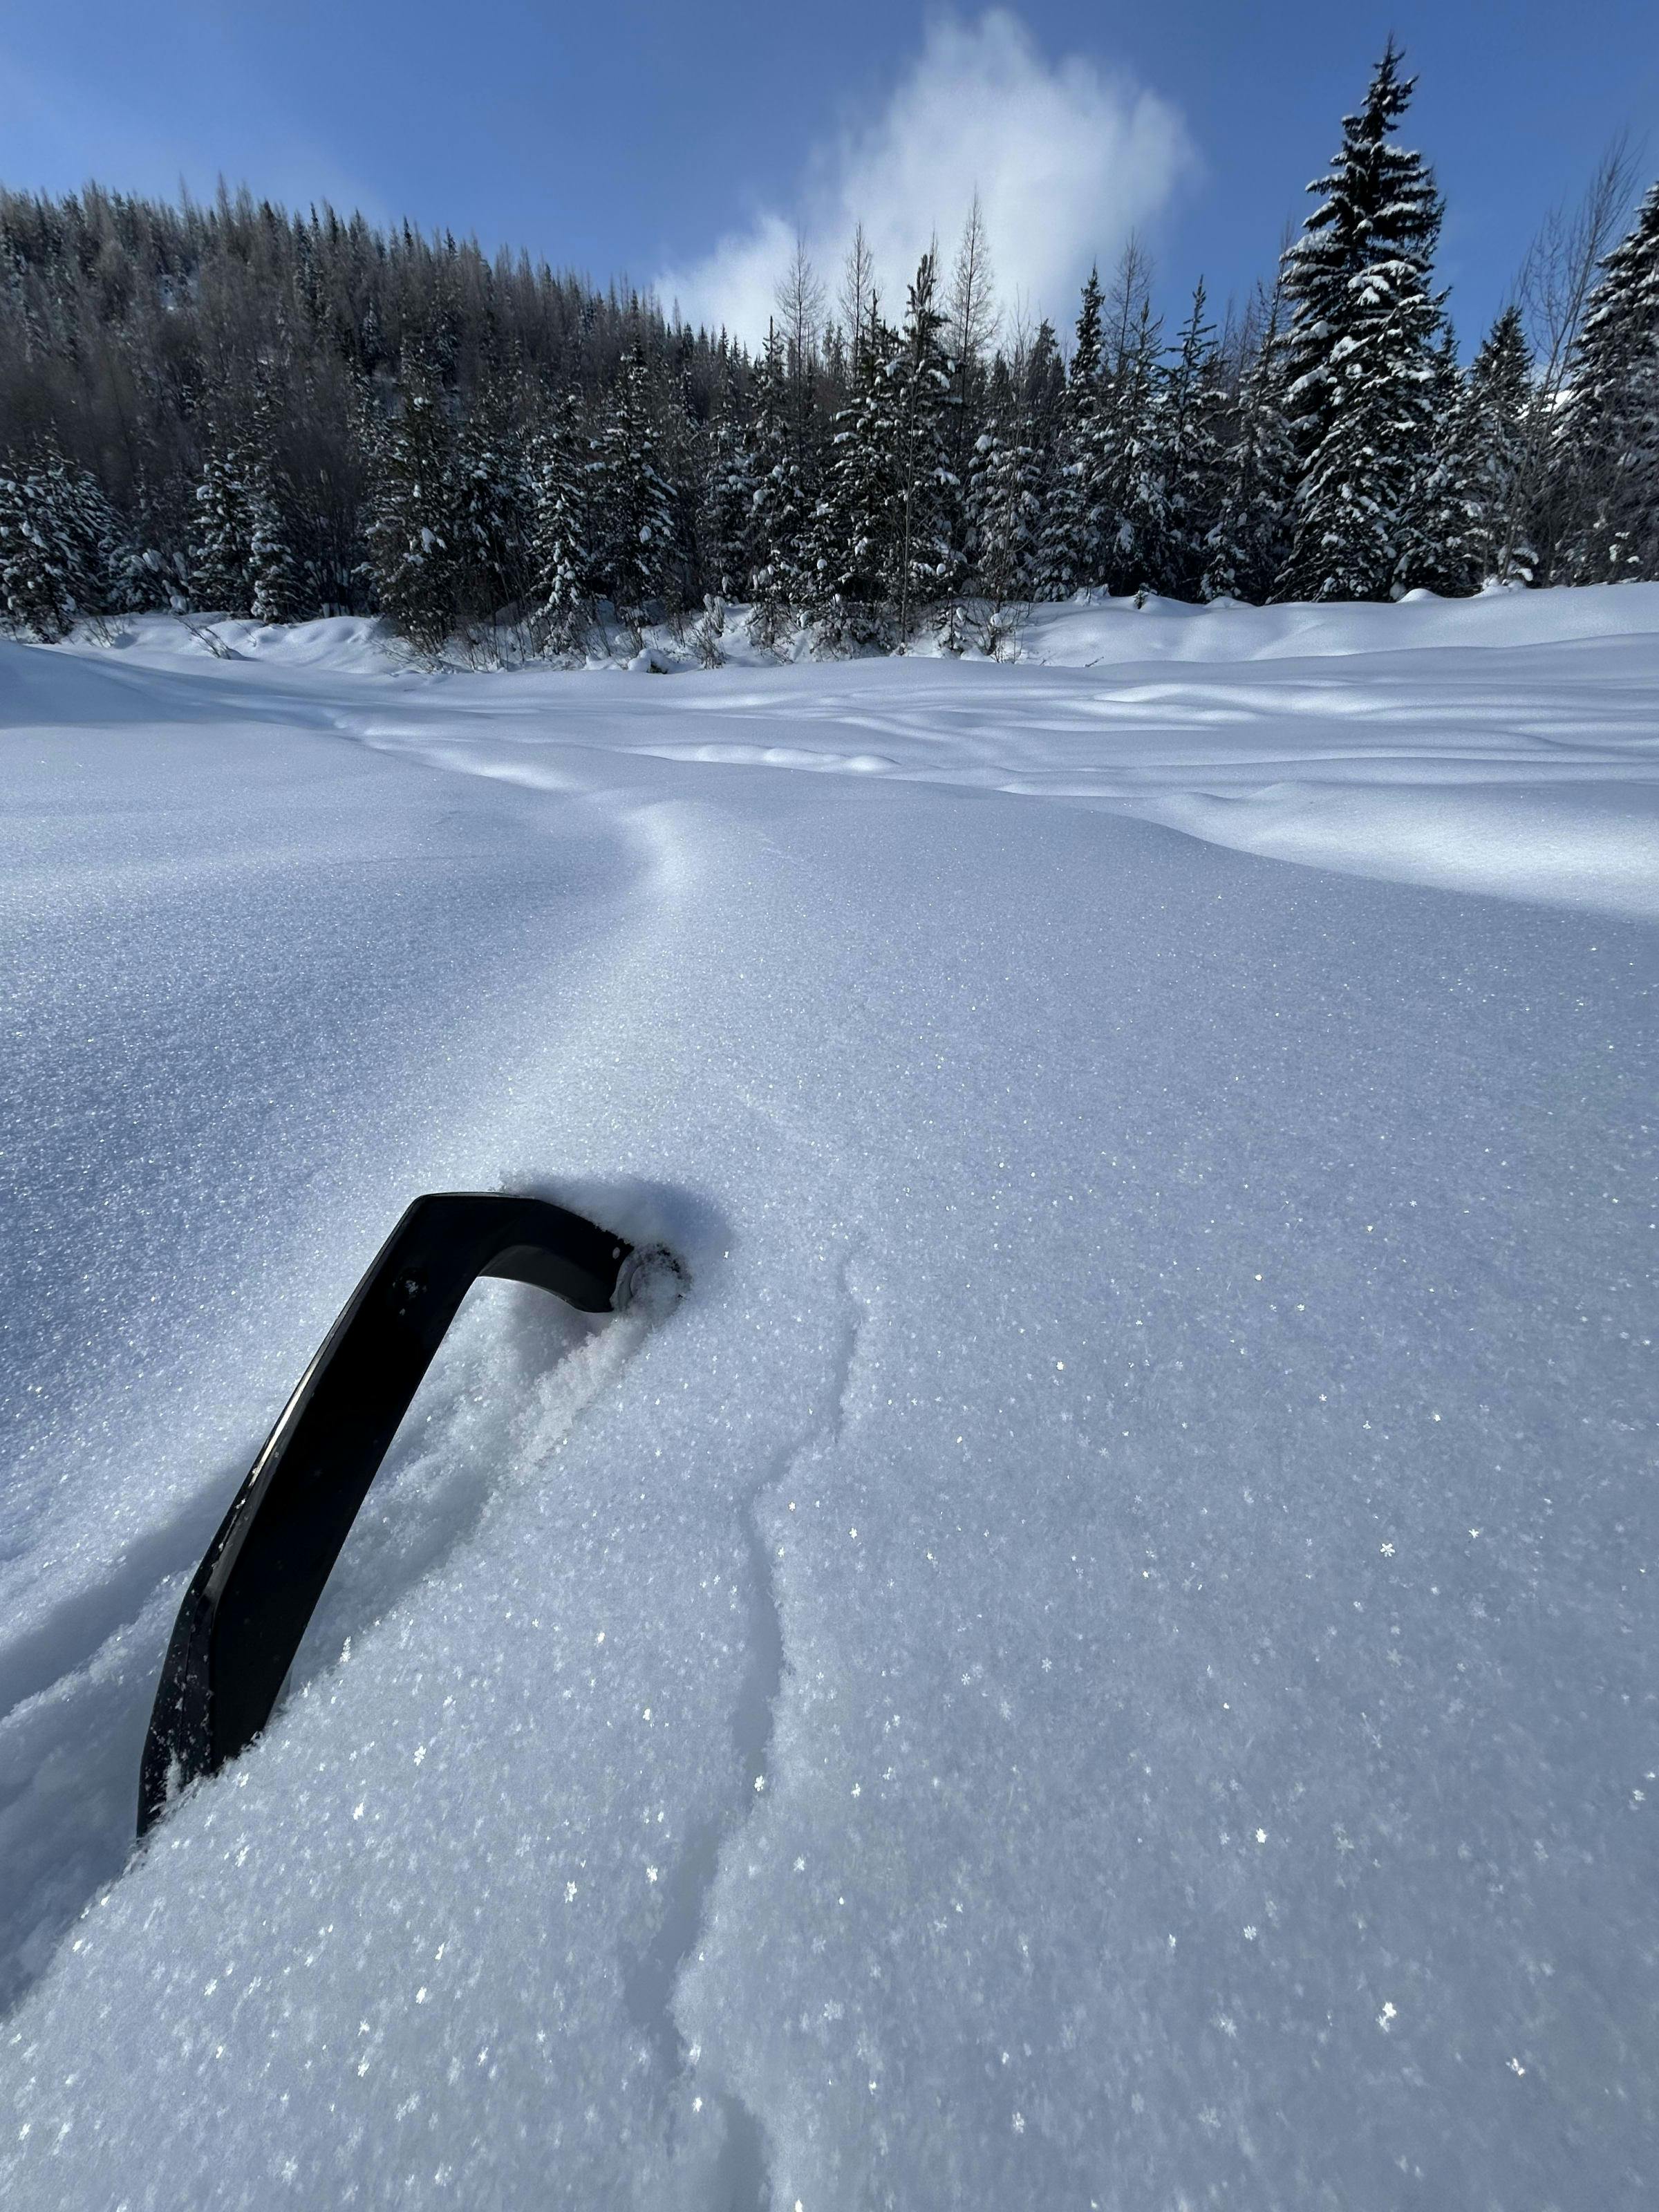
<point x="236" y="409"/>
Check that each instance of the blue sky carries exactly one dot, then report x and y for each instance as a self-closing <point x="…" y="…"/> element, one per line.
<point x="687" y="146"/>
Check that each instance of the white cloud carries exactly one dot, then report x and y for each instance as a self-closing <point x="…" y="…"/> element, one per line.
<point x="1068" y="159"/>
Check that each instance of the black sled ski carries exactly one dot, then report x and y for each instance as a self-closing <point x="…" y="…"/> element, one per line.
<point x="246" y="1608"/>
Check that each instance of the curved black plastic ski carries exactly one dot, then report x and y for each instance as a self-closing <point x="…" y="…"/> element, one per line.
<point x="247" y="1609"/>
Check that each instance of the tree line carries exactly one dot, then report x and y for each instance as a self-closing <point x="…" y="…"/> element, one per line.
<point x="235" y="409"/>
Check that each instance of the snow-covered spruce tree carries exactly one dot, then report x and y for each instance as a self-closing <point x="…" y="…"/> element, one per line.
<point x="1489" y="444"/>
<point x="1249" y="540"/>
<point x="1191" y="445"/>
<point x="47" y="564"/>
<point x="1434" y="554"/>
<point x="275" y="593"/>
<point x="411" y="530"/>
<point x="35" y="600"/>
<point x="561" y="589"/>
<point x="780" y="504"/>
<point x="1039" y="381"/>
<point x="683" y="458"/>
<point x="1005" y="508"/>
<point x="149" y="567"/>
<point x="219" y="578"/>
<point x="94" y="543"/>
<point x="1359" y="354"/>
<point x="493" y="507"/>
<point x="1068" y="555"/>
<point x="140" y="579"/>
<point x="633" y="504"/>
<point x="725" y="496"/>
<point x="1132" y="492"/>
<point x="850" y="544"/>
<point x="239" y="561"/>
<point x="1608" y="440"/>
<point x="926" y="539"/>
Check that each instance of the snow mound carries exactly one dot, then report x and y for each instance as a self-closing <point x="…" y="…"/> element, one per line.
<point x="1095" y="628"/>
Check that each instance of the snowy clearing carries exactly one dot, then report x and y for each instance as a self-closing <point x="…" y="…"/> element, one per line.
<point x="1105" y="1655"/>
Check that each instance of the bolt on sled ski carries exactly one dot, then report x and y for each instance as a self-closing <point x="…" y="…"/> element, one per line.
<point x="246" y="1608"/>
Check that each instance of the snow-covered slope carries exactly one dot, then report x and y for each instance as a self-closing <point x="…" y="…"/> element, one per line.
<point x="1105" y="1655"/>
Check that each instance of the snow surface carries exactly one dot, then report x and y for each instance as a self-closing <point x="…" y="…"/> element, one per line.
<point x="1105" y="1653"/>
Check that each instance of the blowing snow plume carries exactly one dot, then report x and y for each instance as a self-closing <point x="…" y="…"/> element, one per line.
<point x="1068" y="160"/>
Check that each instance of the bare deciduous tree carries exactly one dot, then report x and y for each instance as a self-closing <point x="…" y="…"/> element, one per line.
<point x="799" y="298"/>
<point x="1554" y="283"/>
<point x="858" y="290"/>
<point x="972" y="307"/>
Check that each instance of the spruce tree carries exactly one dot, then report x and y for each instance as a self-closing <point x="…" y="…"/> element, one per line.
<point x="727" y="494"/>
<point x="1068" y="548"/>
<point x="562" y="588"/>
<point x="92" y="539"/>
<point x="851" y="543"/>
<point x="1040" y="382"/>
<point x="413" y="540"/>
<point x="274" y="593"/>
<point x="1491" y="445"/>
<point x="1249" y="540"/>
<point x="1005" y="509"/>
<point x="1133" y="508"/>
<point x="1434" y="554"/>
<point x="927" y="532"/>
<point x="240" y="559"/>
<point x="779" y="506"/>
<point x="1474" y="527"/>
<point x="274" y="590"/>
<point x="1191" y="447"/>
<point x="1608" y="442"/>
<point x="1359" y="353"/>
<point x="219" y="582"/>
<point x="493" y="505"/>
<point x="633" y="501"/>
<point x="41" y="593"/>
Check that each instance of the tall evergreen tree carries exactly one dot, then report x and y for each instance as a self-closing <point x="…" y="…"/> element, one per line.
<point x="219" y="538"/>
<point x="1191" y="442"/>
<point x="780" y="504"/>
<point x="1490" y="538"/>
<point x="929" y="491"/>
<point x="413" y="537"/>
<point x="1005" y="509"/>
<point x="1608" y="445"/>
<point x="727" y="494"/>
<point x="1068" y="550"/>
<point x="1040" y="382"/>
<point x="1359" y="353"/>
<point x="851" y="543"/>
<point x="241" y="563"/>
<point x="1433" y="554"/>
<point x="633" y="499"/>
<point x="1249" y="541"/>
<point x="561" y="580"/>
<point x="275" y="593"/>
<point x="54" y="548"/>
<point x="494" y="522"/>
<point x="1133" y="497"/>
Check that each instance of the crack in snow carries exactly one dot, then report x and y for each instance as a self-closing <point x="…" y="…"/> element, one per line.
<point x="742" y="2177"/>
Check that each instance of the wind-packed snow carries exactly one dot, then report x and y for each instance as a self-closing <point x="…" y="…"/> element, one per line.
<point x="1105" y="1655"/>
